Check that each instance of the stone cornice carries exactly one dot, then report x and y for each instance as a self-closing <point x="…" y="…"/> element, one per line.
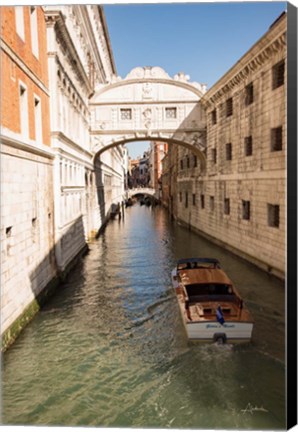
<point x="107" y="37"/>
<point x="63" y="138"/>
<point x="132" y="104"/>
<point x="57" y="19"/>
<point x="148" y="80"/>
<point x="273" y="41"/>
<point x="153" y="75"/>
<point x="19" y="62"/>
<point x="13" y="140"/>
<point x="92" y="39"/>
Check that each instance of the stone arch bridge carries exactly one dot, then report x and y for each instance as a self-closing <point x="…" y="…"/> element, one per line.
<point x="142" y="191"/>
<point x="149" y="105"/>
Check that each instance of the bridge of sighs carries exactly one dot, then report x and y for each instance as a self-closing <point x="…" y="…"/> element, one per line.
<point x="149" y="105"/>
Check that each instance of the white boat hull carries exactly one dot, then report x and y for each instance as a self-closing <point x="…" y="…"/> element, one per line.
<point x="230" y="331"/>
<point x="212" y="330"/>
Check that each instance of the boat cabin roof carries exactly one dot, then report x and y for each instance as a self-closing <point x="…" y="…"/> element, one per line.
<point x="204" y="276"/>
<point x="191" y="263"/>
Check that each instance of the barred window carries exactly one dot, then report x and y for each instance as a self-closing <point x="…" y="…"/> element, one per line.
<point x="186" y="199"/>
<point x="248" y="145"/>
<point x="181" y="164"/>
<point x="227" y="206"/>
<point x="195" y="161"/>
<point x="213" y="117"/>
<point x="171" y="113"/>
<point x="214" y="155"/>
<point x="229" y="151"/>
<point x="278" y="74"/>
<point x="246" y="210"/>
<point x="194" y="199"/>
<point x="249" y="94"/>
<point x="202" y="201"/>
<point x="273" y="215"/>
<point x="229" y="107"/>
<point x="211" y="203"/>
<point x="125" y="114"/>
<point x="276" y="139"/>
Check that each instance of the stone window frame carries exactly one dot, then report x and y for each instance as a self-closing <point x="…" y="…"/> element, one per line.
<point x="249" y="94"/>
<point x="20" y="24"/>
<point x="227" y="207"/>
<point x="23" y="106"/>
<point x="202" y="201"/>
<point x="273" y="215"/>
<point x="278" y="74"/>
<point x="229" y="151"/>
<point x="214" y="117"/>
<point x="246" y="210"/>
<point x="248" y="145"/>
<point x="276" y="140"/>
<point x="38" y="118"/>
<point x="34" y="30"/>
<point x="229" y="107"/>
<point x="171" y="113"/>
<point x="195" y="161"/>
<point x="186" y="199"/>
<point x="125" y="114"/>
<point x="214" y="155"/>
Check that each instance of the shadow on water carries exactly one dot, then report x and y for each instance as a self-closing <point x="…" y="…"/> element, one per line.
<point x="110" y="349"/>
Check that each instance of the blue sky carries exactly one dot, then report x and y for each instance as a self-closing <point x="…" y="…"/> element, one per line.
<point x="204" y="40"/>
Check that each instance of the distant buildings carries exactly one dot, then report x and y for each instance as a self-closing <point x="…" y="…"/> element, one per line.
<point x="158" y="150"/>
<point x="139" y="175"/>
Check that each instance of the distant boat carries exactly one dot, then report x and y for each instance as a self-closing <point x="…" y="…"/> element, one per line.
<point x="128" y="202"/>
<point x="210" y="305"/>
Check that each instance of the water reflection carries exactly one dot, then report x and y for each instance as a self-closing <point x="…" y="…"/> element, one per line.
<point x="110" y="349"/>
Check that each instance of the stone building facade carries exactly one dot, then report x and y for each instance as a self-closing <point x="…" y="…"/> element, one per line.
<point x="28" y="261"/>
<point x="158" y="150"/>
<point x="238" y="201"/>
<point x="80" y="59"/>
<point x="56" y="193"/>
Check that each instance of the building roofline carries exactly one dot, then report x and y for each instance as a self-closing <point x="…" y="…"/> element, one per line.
<point x="254" y="57"/>
<point x="107" y="37"/>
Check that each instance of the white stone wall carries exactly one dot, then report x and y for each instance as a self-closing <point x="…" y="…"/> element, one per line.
<point x="75" y="68"/>
<point x="27" y="238"/>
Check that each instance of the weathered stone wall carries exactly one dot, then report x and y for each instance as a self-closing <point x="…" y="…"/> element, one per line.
<point x="242" y="169"/>
<point x="27" y="246"/>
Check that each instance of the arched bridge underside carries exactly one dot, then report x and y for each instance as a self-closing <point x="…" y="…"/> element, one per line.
<point x="149" y="105"/>
<point x="142" y="191"/>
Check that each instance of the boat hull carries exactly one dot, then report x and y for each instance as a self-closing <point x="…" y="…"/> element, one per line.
<point x="213" y="331"/>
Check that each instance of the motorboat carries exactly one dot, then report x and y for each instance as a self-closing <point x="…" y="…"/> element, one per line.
<point x="211" y="307"/>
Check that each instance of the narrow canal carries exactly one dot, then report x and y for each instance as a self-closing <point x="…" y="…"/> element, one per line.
<point x="109" y="349"/>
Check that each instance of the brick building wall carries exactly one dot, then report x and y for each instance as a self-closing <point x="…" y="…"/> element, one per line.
<point x="27" y="257"/>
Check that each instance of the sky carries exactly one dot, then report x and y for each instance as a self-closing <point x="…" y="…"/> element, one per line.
<point x="203" y="40"/>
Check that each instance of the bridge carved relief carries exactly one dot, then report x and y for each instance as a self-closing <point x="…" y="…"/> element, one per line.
<point x="149" y="105"/>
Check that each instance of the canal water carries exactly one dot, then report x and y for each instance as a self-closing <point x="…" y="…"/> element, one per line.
<point x="109" y="349"/>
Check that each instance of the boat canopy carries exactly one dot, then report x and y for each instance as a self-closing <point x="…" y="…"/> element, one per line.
<point x="204" y="276"/>
<point x="197" y="262"/>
